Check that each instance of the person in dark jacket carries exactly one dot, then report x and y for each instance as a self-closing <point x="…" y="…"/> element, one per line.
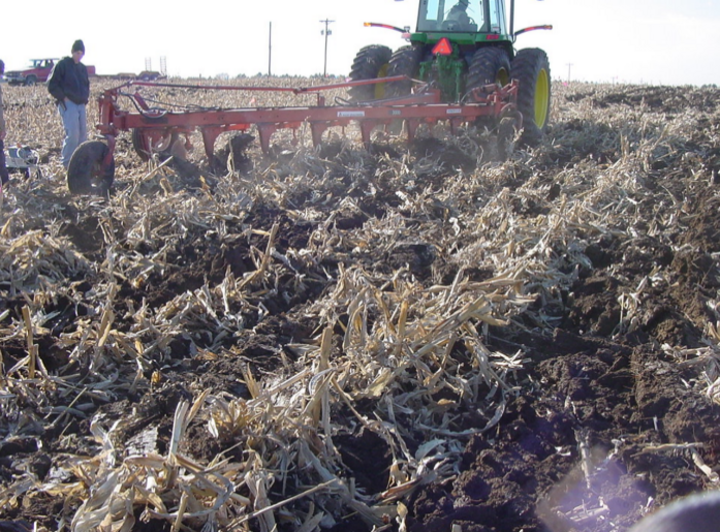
<point x="70" y="86"/>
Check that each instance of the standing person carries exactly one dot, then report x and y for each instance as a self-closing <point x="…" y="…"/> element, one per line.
<point x="4" y="177"/>
<point x="70" y="86"/>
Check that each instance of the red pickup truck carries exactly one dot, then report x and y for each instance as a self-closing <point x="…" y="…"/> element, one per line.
<point x="38" y="72"/>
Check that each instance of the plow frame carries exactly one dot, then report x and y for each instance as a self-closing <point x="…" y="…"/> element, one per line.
<point x="424" y="106"/>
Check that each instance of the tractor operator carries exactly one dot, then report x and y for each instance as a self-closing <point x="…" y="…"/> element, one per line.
<point x="70" y="86"/>
<point x="458" y="19"/>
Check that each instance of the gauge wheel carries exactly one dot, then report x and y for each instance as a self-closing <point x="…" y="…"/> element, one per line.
<point x="371" y="62"/>
<point x="145" y="147"/>
<point x="87" y="172"/>
<point x="404" y="62"/>
<point x="532" y="70"/>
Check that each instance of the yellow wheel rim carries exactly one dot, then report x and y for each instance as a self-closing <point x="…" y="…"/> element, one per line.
<point x="542" y="98"/>
<point x="380" y="87"/>
<point x="502" y="77"/>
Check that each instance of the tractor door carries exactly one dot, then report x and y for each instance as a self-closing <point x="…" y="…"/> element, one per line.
<point x="497" y="17"/>
<point x="430" y="15"/>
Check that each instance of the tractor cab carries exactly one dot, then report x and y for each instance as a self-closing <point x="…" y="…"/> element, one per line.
<point x="463" y="16"/>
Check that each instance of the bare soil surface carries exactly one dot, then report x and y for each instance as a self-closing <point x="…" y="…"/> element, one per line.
<point x="611" y="415"/>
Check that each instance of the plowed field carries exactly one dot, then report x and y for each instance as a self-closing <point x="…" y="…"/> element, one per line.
<point x="416" y="338"/>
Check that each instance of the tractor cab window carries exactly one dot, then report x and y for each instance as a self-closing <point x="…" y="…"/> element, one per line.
<point x="452" y="15"/>
<point x="497" y="17"/>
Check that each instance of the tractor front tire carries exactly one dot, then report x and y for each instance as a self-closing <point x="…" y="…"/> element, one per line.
<point x="488" y="66"/>
<point x="86" y="173"/>
<point x="532" y="70"/>
<point x="404" y="62"/>
<point x="371" y="62"/>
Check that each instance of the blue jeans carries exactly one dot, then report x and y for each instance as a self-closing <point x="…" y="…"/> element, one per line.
<point x="4" y="176"/>
<point x="74" y="121"/>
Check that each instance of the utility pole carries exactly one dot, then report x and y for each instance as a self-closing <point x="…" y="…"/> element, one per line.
<point x="326" y="32"/>
<point x="569" y="65"/>
<point x="270" y="50"/>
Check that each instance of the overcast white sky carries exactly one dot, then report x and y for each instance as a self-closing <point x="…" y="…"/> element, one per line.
<point x="635" y="41"/>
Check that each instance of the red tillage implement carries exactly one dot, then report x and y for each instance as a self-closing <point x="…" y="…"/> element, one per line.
<point x="155" y="129"/>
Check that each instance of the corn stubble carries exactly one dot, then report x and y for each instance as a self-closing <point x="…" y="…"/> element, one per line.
<point x="414" y="349"/>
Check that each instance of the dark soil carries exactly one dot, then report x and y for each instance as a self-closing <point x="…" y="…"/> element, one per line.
<point x="571" y="452"/>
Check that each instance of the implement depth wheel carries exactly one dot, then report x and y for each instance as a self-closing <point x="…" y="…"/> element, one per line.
<point x="532" y="70"/>
<point x="86" y="173"/>
<point x="371" y="62"/>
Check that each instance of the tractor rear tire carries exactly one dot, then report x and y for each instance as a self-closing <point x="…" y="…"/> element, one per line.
<point x="532" y="70"/>
<point x="86" y="173"/>
<point x="371" y="62"/>
<point x="488" y="66"/>
<point x="404" y="62"/>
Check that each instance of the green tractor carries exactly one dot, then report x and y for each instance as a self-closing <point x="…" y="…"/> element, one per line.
<point x="459" y="46"/>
